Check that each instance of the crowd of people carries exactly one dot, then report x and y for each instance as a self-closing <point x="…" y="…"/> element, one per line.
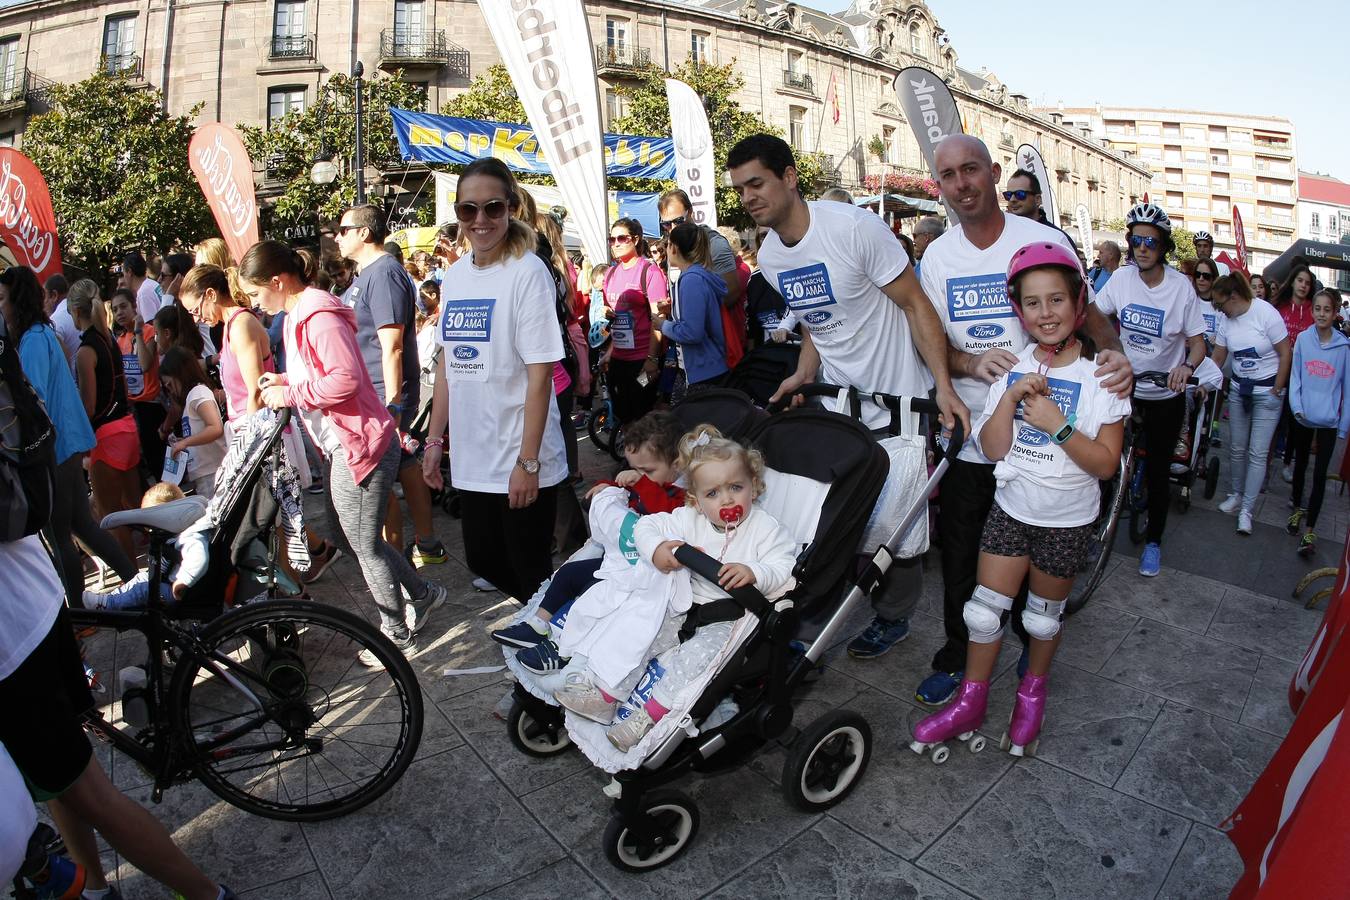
<point x="469" y="367"/>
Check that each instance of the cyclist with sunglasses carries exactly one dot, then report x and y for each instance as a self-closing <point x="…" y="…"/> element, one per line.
<point x="1162" y="331"/>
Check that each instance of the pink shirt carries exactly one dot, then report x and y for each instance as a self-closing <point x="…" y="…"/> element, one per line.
<point x="231" y="377"/>
<point x="631" y="293"/>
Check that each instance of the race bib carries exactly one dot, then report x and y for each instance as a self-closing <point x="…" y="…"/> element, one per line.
<point x="1211" y="324"/>
<point x="131" y="368"/>
<point x="768" y="320"/>
<point x="628" y="546"/>
<point x="978" y="297"/>
<point x="1032" y="449"/>
<point x="1145" y="327"/>
<point x="466" y="331"/>
<point x="621" y="331"/>
<point x="808" y="293"/>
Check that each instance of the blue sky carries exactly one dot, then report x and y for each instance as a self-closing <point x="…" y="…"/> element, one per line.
<point x="1290" y="58"/>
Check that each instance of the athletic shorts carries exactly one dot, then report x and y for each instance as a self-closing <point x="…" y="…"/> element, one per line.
<point x="44" y="700"/>
<point x="118" y="444"/>
<point x="1058" y="552"/>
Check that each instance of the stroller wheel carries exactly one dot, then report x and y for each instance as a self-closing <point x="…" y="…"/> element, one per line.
<point x="827" y="760"/>
<point x="669" y="823"/>
<point x="1211" y="478"/>
<point x="534" y="737"/>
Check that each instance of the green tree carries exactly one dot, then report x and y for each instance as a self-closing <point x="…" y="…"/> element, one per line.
<point x="1185" y="241"/>
<point x="649" y="113"/>
<point x="490" y="96"/>
<point x="327" y="129"/>
<point x="117" y="167"/>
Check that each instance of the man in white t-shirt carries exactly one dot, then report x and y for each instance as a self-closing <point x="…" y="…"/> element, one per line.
<point x="865" y="321"/>
<point x="149" y="298"/>
<point x="55" y="291"/>
<point x="965" y="275"/>
<point x="1163" y="331"/>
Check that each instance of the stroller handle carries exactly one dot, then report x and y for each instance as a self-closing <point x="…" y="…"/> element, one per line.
<point x="887" y="401"/>
<point x="704" y="566"/>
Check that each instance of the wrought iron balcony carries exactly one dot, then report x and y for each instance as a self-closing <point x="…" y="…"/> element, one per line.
<point x="407" y="47"/>
<point x="127" y="65"/>
<point x="19" y="88"/>
<point x="798" y="81"/>
<point x="620" y="60"/>
<point x="292" y="46"/>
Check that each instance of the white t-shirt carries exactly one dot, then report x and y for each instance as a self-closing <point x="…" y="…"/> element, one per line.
<point x="493" y="322"/>
<point x="149" y="297"/>
<point x="832" y="281"/>
<point x="1251" y="340"/>
<point x="1154" y="322"/>
<point x="32" y="595"/>
<point x="969" y="288"/>
<point x="203" y="459"/>
<point x="1037" y="482"/>
<point x="66" y="332"/>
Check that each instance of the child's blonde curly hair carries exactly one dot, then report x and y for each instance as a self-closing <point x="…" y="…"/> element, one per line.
<point x="705" y="444"/>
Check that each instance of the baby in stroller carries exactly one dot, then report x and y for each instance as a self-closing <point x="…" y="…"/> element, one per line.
<point x="617" y="639"/>
<point x="192" y="548"/>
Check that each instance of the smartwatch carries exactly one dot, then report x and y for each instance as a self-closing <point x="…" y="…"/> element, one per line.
<point x="1066" y="432"/>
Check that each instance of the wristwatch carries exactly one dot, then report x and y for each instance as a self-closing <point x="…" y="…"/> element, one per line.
<point x="1064" y="433"/>
<point x="531" y="466"/>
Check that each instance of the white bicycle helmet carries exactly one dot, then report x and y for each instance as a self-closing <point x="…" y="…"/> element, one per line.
<point x="1148" y="214"/>
<point x="1203" y="236"/>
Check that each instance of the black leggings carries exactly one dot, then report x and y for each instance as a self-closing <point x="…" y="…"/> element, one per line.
<point x="1326" y="445"/>
<point x="511" y="548"/>
<point x="71" y="516"/>
<point x="631" y="400"/>
<point x="1162" y="427"/>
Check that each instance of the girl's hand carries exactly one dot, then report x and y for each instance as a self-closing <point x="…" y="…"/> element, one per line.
<point x="735" y="575"/>
<point x="273" y="396"/>
<point x="268" y="379"/>
<point x="652" y="368"/>
<point x="1028" y="385"/>
<point x="1039" y="411"/>
<point x="664" y="557"/>
<point x="177" y="447"/>
<point x="140" y="324"/>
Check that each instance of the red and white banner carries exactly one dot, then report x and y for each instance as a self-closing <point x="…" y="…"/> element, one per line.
<point x="1240" y="237"/>
<point x="1232" y="264"/>
<point x="27" y="223"/>
<point x="225" y="173"/>
<point x="695" y="171"/>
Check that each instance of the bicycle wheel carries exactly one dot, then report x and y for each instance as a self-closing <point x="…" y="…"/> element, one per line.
<point x="1137" y="498"/>
<point x="1098" y="558"/>
<point x="326" y="735"/>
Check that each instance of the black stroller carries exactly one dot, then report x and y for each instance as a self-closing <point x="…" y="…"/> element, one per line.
<point x="651" y="826"/>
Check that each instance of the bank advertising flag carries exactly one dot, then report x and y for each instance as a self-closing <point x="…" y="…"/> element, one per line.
<point x="1029" y="158"/>
<point x="1082" y="218"/>
<point x="431" y="138"/>
<point x="27" y="223"/>
<point x="221" y="164"/>
<point x="695" y="172"/>
<point x="931" y="111"/>
<point x="546" y="47"/>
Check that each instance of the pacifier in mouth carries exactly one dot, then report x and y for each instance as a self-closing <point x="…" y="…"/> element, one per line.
<point x="731" y="514"/>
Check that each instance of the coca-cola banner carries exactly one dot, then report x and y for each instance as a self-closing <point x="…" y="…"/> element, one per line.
<point x="27" y="225"/>
<point x="223" y="169"/>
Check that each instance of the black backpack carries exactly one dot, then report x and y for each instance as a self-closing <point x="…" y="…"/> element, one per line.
<point x="27" y="449"/>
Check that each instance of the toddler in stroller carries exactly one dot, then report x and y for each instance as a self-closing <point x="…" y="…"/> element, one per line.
<point x="187" y="554"/>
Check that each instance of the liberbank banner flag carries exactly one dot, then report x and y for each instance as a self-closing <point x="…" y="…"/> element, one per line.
<point x="1029" y="158"/>
<point x="449" y="139"/>
<point x="932" y="113"/>
<point x="695" y="171"/>
<point x="546" y="46"/>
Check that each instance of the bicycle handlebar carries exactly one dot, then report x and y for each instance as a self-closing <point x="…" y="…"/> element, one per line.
<point x="1159" y="379"/>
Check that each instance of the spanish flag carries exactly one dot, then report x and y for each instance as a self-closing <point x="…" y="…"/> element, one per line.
<point x="832" y="98"/>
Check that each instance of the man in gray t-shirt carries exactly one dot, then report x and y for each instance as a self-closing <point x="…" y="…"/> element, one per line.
<point x="675" y="208"/>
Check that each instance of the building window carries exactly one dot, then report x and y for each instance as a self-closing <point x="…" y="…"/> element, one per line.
<point x="288" y="28"/>
<point x="616" y="34"/>
<point x="614" y="107"/>
<point x="409" y="24"/>
<point x="7" y="139"/>
<point x="698" y="46"/>
<point x="11" y="78"/>
<point x="888" y="139"/>
<point x="119" y="42"/>
<point x="283" y="100"/>
<point x="915" y="40"/>
<point x="1171" y="129"/>
<point x="1316" y="221"/>
<point x="796" y="62"/>
<point x="797" y="127"/>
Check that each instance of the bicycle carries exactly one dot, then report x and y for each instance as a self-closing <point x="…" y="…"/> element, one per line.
<point x="1138" y="482"/>
<point x="602" y="425"/>
<point x="266" y="705"/>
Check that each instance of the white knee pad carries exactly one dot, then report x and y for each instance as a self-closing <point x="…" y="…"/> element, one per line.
<point x="1042" y="617"/>
<point x="983" y="614"/>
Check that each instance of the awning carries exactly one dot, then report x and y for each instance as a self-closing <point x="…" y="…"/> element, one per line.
<point x="1309" y="253"/>
<point x="900" y="203"/>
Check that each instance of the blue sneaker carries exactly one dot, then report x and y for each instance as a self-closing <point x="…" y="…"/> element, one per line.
<point x="522" y="634"/>
<point x="542" y="658"/>
<point x="1151" y="560"/>
<point x="879" y="638"/>
<point x="938" y="688"/>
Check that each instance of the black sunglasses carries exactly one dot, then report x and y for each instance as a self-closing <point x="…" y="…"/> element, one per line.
<point x="668" y="224"/>
<point x="1205" y="275"/>
<point x="1020" y="195"/>
<point x="468" y="212"/>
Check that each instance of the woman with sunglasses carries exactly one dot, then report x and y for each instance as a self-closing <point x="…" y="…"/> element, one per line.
<point x="1203" y="277"/>
<point x="500" y="337"/>
<point x="1294" y="304"/>
<point x="634" y="286"/>
<point x="1161" y="331"/>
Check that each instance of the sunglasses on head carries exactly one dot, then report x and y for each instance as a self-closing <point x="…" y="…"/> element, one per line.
<point x="1020" y="195"/>
<point x="468" y="212"/>
<point x="621" y="239"/>
<point x="1137" y="241"/>
<point x="667" y="224"/>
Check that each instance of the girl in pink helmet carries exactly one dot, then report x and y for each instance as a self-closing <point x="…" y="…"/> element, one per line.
<point x="1054" y="432"/>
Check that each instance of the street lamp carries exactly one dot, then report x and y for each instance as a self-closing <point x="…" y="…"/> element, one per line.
<point x="324" y="171"/>
<point x="360" y="161"/>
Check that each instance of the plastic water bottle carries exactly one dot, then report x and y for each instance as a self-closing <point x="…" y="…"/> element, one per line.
<point x="135" y="708"/>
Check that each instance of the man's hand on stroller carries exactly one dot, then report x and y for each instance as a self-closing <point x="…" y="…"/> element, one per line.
<point x="735" y="575"/>
<point x="952" y="409"/>
<point x="179" y="589"/>
<point x="789" y="387"/>
<point x="664" y="557"/>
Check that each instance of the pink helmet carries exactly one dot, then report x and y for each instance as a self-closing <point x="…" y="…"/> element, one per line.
<point x="1037" y="255"/>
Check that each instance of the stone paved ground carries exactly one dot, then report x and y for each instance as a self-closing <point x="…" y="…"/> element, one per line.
<point x="1166" y="702"/>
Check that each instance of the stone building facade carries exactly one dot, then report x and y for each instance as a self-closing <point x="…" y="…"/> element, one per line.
<point x="247" y="61"/>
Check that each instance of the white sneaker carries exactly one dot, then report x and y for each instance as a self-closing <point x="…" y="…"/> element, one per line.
<point x="1287" y="473"/>
<point x="406" y="645"/>
<point x="416" y="614"/>
<point x="1230" y="506"/>
<point x="482" y="584"/>
<point x="585" y="699"/>
<point x="1244" y="525"/>
<point x="624" y="735"/>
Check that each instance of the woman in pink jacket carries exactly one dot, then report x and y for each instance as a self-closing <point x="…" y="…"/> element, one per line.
<point x="327" y="381"/>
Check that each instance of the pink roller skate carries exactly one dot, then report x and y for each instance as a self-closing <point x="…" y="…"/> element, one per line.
<point x="958" y="720"/>
<point x="1024" y="730"/>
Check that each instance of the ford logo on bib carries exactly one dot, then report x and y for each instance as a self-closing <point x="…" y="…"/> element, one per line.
<point x="463" y="352"/>
<point x="815" y="318"/>
<point x="1139" y="340"/>
<point x="984" y="332"/>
